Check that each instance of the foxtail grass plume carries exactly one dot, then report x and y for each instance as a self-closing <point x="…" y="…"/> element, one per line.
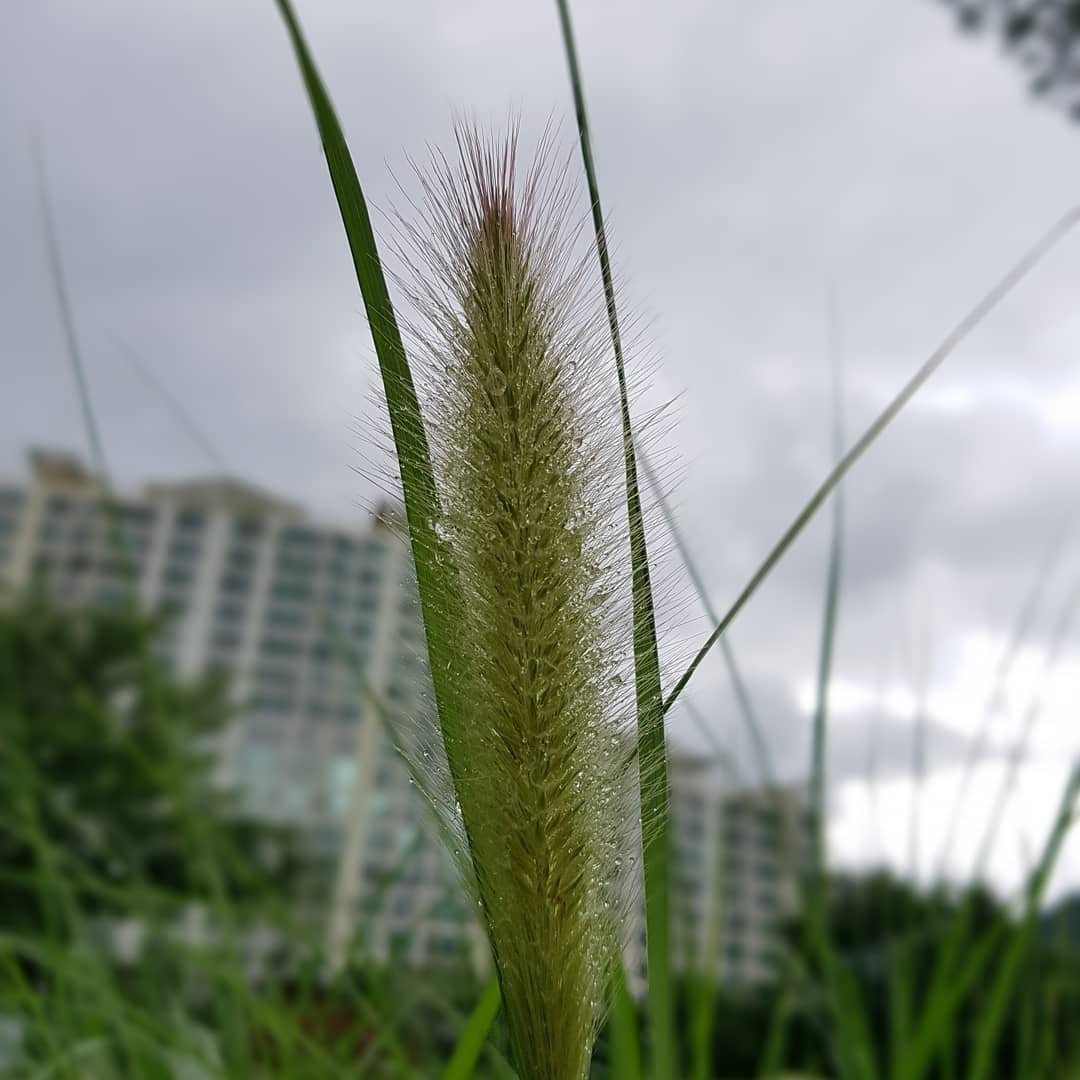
<point x="523" y="427"/>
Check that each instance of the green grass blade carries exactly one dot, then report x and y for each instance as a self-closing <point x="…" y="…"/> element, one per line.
<point x="1044" y="571"/>
<point x="176" y="408"/>
<point x="775" y="1048"/>
<point x="918" y="760"/>
<point x="899" y="977"/>
<point x="1032" y="715"/>
<point x="470" y="1044"/>
<point x="961" y="960"/>
<point x="117" y="544"/>
<point x="762" y="757"/>
<point x="818" y="777"/>
<point x="652" y="754"/>
<point x="625" y="1050"/>
<point x="704" y="991"/>
<point x="1003" y="986"/>
<point x="970" y="321"/>
<point x="67" y="322"/>
<point x="435" y="575"/>
<point x="854" y="1051"/>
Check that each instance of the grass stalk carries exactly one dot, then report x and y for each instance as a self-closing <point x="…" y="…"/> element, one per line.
<point x="1019" y="270"/>
<point x="473" y="1035"/>
<point x="652" y="752"/>
<point x="1008" y="968"/>
<point x="625" y="1048"/>
<point x="743" y="701"/>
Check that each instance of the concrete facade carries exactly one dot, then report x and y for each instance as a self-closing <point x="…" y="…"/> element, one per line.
<point x="311" y="625"/>
<point x="318" y="632"/>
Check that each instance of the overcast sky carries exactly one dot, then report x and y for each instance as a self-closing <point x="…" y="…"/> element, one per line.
<point x="747" y="156"/>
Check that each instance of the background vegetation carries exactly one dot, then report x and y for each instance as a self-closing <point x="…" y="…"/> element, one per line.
<point x="109" y="821"/>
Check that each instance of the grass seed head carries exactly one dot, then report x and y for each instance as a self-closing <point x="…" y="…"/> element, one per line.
<point x="524" y="432"/>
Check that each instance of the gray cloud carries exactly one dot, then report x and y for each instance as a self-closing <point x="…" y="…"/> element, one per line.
<point x="746" y="156"/>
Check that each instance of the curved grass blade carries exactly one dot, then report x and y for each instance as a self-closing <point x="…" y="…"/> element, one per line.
<point x="67" y="322"/>
<point x="990" y="1022"/>
<point x="625" y="1052"/>
<point x="762" y="757"/>
<point x="968" y="958"/>
<point x="854" y="1051"/>
<point x="470" y="1044"/>
<point x="176" y="408"/>
<point x="970" y="321"/>
<point x="436" y="578"/>
<point x="703" y="995"/>
<point x="1003" y="670"/>
<point x="652" y="754"/>
<point x="117" y="544"/>
<point x="721" y="756"/>
<point x="1032" y="715"/>
<point x="818" y="778"/>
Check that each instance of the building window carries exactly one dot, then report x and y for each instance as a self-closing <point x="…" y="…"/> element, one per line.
<point x="135" y="515"/>
<point x="230" y="612"/>
<point x="284" y="618"/>
<point x="241" y="556"/>
<point x="344" y="545"/>
<point x="277" y="646"/>
<point x="247" y="528"/>
<point x="286" y="592"/>
<point x="299" y="536"/>
<point x="335" y="599"/>
<point x="226" y="640"/>
<point x="80" y="563"/>
<point x="134" y="539"/>
<point x="177" y="577"/>
<point x="768" y="871"/>
<point x="273" y="703"/>
<point x="49" y="534"/>
<point x="183" y="550"/>
<point x="190" y="520"/>
<point x="58" y="505"/>
<point x="235" y="584"/>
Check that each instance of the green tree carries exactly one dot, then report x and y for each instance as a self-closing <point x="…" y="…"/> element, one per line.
<point x="1042" y="35"/>
<point x="106" y="783"/>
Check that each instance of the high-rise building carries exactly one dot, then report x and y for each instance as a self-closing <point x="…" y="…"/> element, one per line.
<point x="319" y="633"/>
<point x="739" y="855"/>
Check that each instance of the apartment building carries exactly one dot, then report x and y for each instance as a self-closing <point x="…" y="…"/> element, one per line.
<point x="740" y="854"/>
<point x="312" y="625"/>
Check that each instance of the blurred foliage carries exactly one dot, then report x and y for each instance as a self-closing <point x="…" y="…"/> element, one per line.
<point x="894" y="938"/>
<point x="888" y="931"/>
<point x="1043" y="36"/>
<point x="106" y="775"/>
